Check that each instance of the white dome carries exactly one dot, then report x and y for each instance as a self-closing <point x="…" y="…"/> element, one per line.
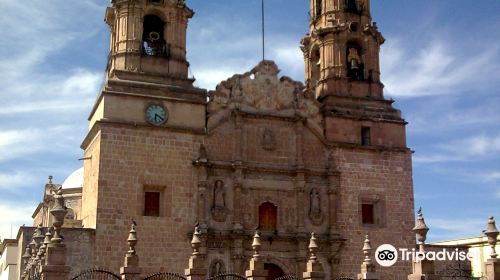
<point x="75" y="180"/>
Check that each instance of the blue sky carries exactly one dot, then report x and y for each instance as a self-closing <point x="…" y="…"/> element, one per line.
<point x="441" y="63"/>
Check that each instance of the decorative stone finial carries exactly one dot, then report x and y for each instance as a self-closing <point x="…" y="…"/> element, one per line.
<point x="368" y="271"/>
<point x="32" y="245"/>
<point x="38" y="236"/>
<point x="196" y="241"/>
<point x="492" y="233"/>
<point x="132" y="239"/>
<point x="367" y="250"/>
<point x="59" y="212"/>
<point x="50" y="179"/>
<point x="256" y="245"/>
<point x="27" y="255"/>
<point x="421" y="230"/>
<point x="313" y="247"/>
<point x="46" y="242"/>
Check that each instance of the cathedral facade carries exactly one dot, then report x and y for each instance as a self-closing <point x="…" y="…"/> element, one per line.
<point x="261" y="151"/>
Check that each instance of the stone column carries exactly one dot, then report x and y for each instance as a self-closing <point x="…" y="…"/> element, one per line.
<point x="314" y="268"/>
<point x="368" y="271"/>
<point x="422" y="269"/>
<point x="197" y="269"/>
<point x="300" y="188"/>
<point x="492" y="265"/>
<point x="130" y="269"/>
<point x="333" y="194"/>
<point x="55" y="267"/>
<point x="237" y="222"/>
<point x="203" y="164"/>
<point x="256" y="270"/>
<point x="299" y="143"/>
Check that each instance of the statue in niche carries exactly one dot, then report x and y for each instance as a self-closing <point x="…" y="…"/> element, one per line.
<point x="219" y="195"/>
<point x="217" y="268"/>
<point x="268" y="140"/>
<point x="315" y="213"/>
<point x="219" y="210"/>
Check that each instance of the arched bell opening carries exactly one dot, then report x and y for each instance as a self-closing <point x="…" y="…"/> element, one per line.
<point x="355" y="63"/>
<point x="153" y="37"/>
<point x="315" y="67"/>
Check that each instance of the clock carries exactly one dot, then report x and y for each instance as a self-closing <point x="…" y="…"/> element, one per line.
<point x="156" y="114"/>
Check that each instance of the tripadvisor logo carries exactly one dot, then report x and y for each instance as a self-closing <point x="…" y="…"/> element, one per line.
<point x="387" y="255"/>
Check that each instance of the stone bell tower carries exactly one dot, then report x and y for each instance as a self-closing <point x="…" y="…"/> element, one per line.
<point x="342" y="69"/>
<point x="147" y="103"/>
<point x="149" y="37"/>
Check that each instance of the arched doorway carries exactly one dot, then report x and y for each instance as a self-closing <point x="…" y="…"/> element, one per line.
<point x="273" y="271"/>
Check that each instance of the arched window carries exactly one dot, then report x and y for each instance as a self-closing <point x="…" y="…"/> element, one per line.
<point x="351" y="6"/>
<point x="319" y="8"/>
<point x="154" y="43"/>
<point x="355" y="65"/>
<point x="315" y="67"/>
<point x="268" y="216"/>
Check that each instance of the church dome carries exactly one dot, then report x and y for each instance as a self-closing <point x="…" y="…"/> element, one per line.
<point x="75" y="180"/>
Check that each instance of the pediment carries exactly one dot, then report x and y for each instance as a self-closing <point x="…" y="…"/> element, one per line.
<point x="261" y="91"/>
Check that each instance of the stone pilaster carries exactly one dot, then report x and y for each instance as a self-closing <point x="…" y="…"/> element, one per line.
<point x="256" y="269"/>
<point x="492" y="269"/>
<point x="197" y="269"/>
<point x="300" y="189"/>
<point x="314" y="269"/>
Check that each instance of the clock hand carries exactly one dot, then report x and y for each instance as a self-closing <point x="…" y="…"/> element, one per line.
<point x="158" y="117"/>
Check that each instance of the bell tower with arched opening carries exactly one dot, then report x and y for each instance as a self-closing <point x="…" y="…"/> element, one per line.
<point x="148" y="40"/>
<point x="342" y="69"/>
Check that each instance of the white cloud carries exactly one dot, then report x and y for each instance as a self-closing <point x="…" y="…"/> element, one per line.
<point x="438" y="68"/>
<point x="468" y="149"/>
<point x="13" y="216"/>
<point x="15" y="179"/>
<point x="455" y="228"/>
<point x="493" y="176"/>
<point x="18" y="143"/>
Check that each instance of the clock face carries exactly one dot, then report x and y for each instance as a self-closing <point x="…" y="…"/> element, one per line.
<point x="156" y="114"/>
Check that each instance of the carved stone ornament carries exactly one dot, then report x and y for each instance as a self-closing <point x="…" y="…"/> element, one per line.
<point x="268" y="140"/>
<point x="315" y="213"/>
<point x="261" y="91"/>
<point x="219" y="209"/>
